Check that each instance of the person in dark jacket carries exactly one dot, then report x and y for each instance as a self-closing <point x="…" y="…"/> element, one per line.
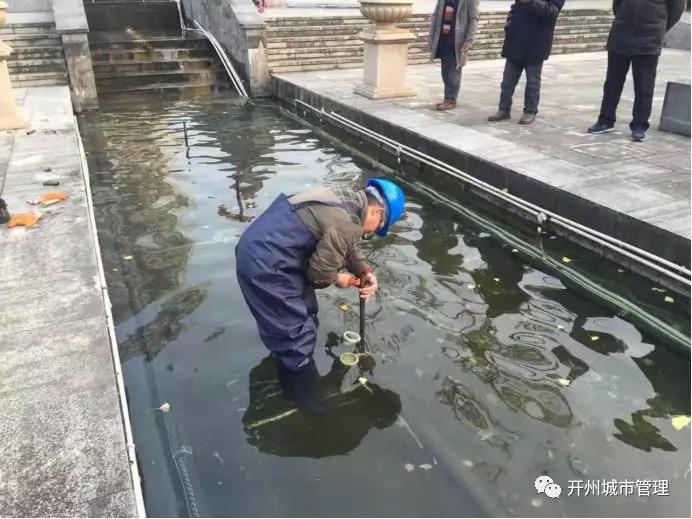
<point x="452" y="31"/>
<point x="302" y="243"/>
<point x="528" y="40"/>
<point x="636" y="37"/>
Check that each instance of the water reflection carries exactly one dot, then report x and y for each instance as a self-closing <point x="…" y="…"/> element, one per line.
<point x="274" y="424"/>
<point x="500" y="370"/>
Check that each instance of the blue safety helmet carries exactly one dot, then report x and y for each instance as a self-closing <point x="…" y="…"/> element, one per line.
<point x="394" y="199"/>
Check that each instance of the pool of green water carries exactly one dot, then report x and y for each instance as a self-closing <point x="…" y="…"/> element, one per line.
<point x="488" y="372"/>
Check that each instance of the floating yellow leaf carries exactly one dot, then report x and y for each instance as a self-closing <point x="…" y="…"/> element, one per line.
<point x="344" y="308"/>
<point x="505" y="189"/>
<point x="363" y="380"/>
<point x="127" y="258"/>
<point x="472" y="361"/>
<point x="594" y="338"/>
<point x="565" y="259"/>
<point x="165" y="407"/>
<point x="563" y="381"/>
<point x="669" y="299"/>
<point x="681" y="421"/>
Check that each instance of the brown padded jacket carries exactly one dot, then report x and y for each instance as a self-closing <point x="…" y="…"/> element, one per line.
<point x="338" y="229"/>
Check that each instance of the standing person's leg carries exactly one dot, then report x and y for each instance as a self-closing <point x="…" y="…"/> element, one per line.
<point x="618" y="65"/>
<point x="510" y="78"/>
<point x="644" y="76"/>
<point x="532" y="94"/>
<point x="451" y="77"/>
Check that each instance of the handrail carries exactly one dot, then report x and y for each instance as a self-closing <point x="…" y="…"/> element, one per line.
<point x="678" y="273"/>
<point x="237" y="83"/>
<point x="220" y="52"/>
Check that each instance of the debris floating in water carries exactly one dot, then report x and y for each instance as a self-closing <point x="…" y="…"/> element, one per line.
<point x="471" y="285"/>
<point x="467" y="463"/>
<point x="419" y="373"/>
<point x="560" y="327"/>
<point x="426" y="466"/>
<point x="472" y="361"/>
<point x="165" y="407"/>
<point x="344" y="308"/>
<point x="564" y="381"/>
<point x="515" y="250"/>
<point x="669" y="299"/>
<point x="681" y="421"/>
<point x="536" y="502"/>
<point x="127" y="258"/>
<point x="657" y="289"/>
<point x="496" y="280"/>
<point x="565" y="259"/>
<point x="594" y="338"/>
<point x="410" y="467"/>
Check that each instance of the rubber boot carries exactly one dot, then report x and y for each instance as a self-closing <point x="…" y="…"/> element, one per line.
<point x="301" y="387"/>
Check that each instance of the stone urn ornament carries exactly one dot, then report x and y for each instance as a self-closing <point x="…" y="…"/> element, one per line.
<point x="10" y="118"/>
<point x="385" y="49"/>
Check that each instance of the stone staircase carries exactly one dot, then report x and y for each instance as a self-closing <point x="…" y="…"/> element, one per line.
<point x="130" y="62"/>
<point x="309" y="43"/>
<point x="37" y="57"/>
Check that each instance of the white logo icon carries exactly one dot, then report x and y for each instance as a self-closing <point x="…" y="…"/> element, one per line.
<point x="544" y="484"/>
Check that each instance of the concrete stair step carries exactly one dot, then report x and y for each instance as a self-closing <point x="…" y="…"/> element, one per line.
<point x="30" y="66"/>
<point x="124" y="55"/>
<point x="191" y="88"/>
<point x="32" y="40"/>
<point x="139" y="79"/>
<point x="38" y="78"/>
<point x="31" y="53"/>
<point x="143" y="44"/>
<point x="8" y="30"/>
<point x="127" y="67"/>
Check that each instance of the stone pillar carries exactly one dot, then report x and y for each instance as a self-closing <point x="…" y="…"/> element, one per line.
<point x="71" y="24"/>
<point x="10" y="118"/>
<point x="386" y="50"/>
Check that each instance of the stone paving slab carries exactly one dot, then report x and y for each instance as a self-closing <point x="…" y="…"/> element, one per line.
<point x="62" y="443"/>
<point x="607" y="171"/>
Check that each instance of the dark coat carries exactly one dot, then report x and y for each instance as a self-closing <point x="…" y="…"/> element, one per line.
<point x="640" y="25"/>
<point x="529" y="30"/>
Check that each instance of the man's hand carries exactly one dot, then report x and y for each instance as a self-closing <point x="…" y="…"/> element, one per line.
<point x="369" y="286"/>
<point x="344" y="280"/>
<point x="466" y="48"/>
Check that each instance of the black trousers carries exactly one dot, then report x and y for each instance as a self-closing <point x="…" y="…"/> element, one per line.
<point x="510" y="78"/>
<point x="644" y="76"/>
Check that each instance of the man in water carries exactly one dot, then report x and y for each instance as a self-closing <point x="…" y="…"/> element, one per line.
<point x="302" y="243"/>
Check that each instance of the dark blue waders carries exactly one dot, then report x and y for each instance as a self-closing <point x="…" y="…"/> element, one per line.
<point x="271" y="262"/>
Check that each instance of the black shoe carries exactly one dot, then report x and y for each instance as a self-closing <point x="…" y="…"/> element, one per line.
<point x="4" y="213"/>
<point x="601" y="127"/>
<point x="638" y="135"/>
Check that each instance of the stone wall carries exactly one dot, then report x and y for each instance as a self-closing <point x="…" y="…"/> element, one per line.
<point x="239" y="28"/>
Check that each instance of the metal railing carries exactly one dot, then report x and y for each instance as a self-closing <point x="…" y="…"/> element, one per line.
<point x="667" y="268"/>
